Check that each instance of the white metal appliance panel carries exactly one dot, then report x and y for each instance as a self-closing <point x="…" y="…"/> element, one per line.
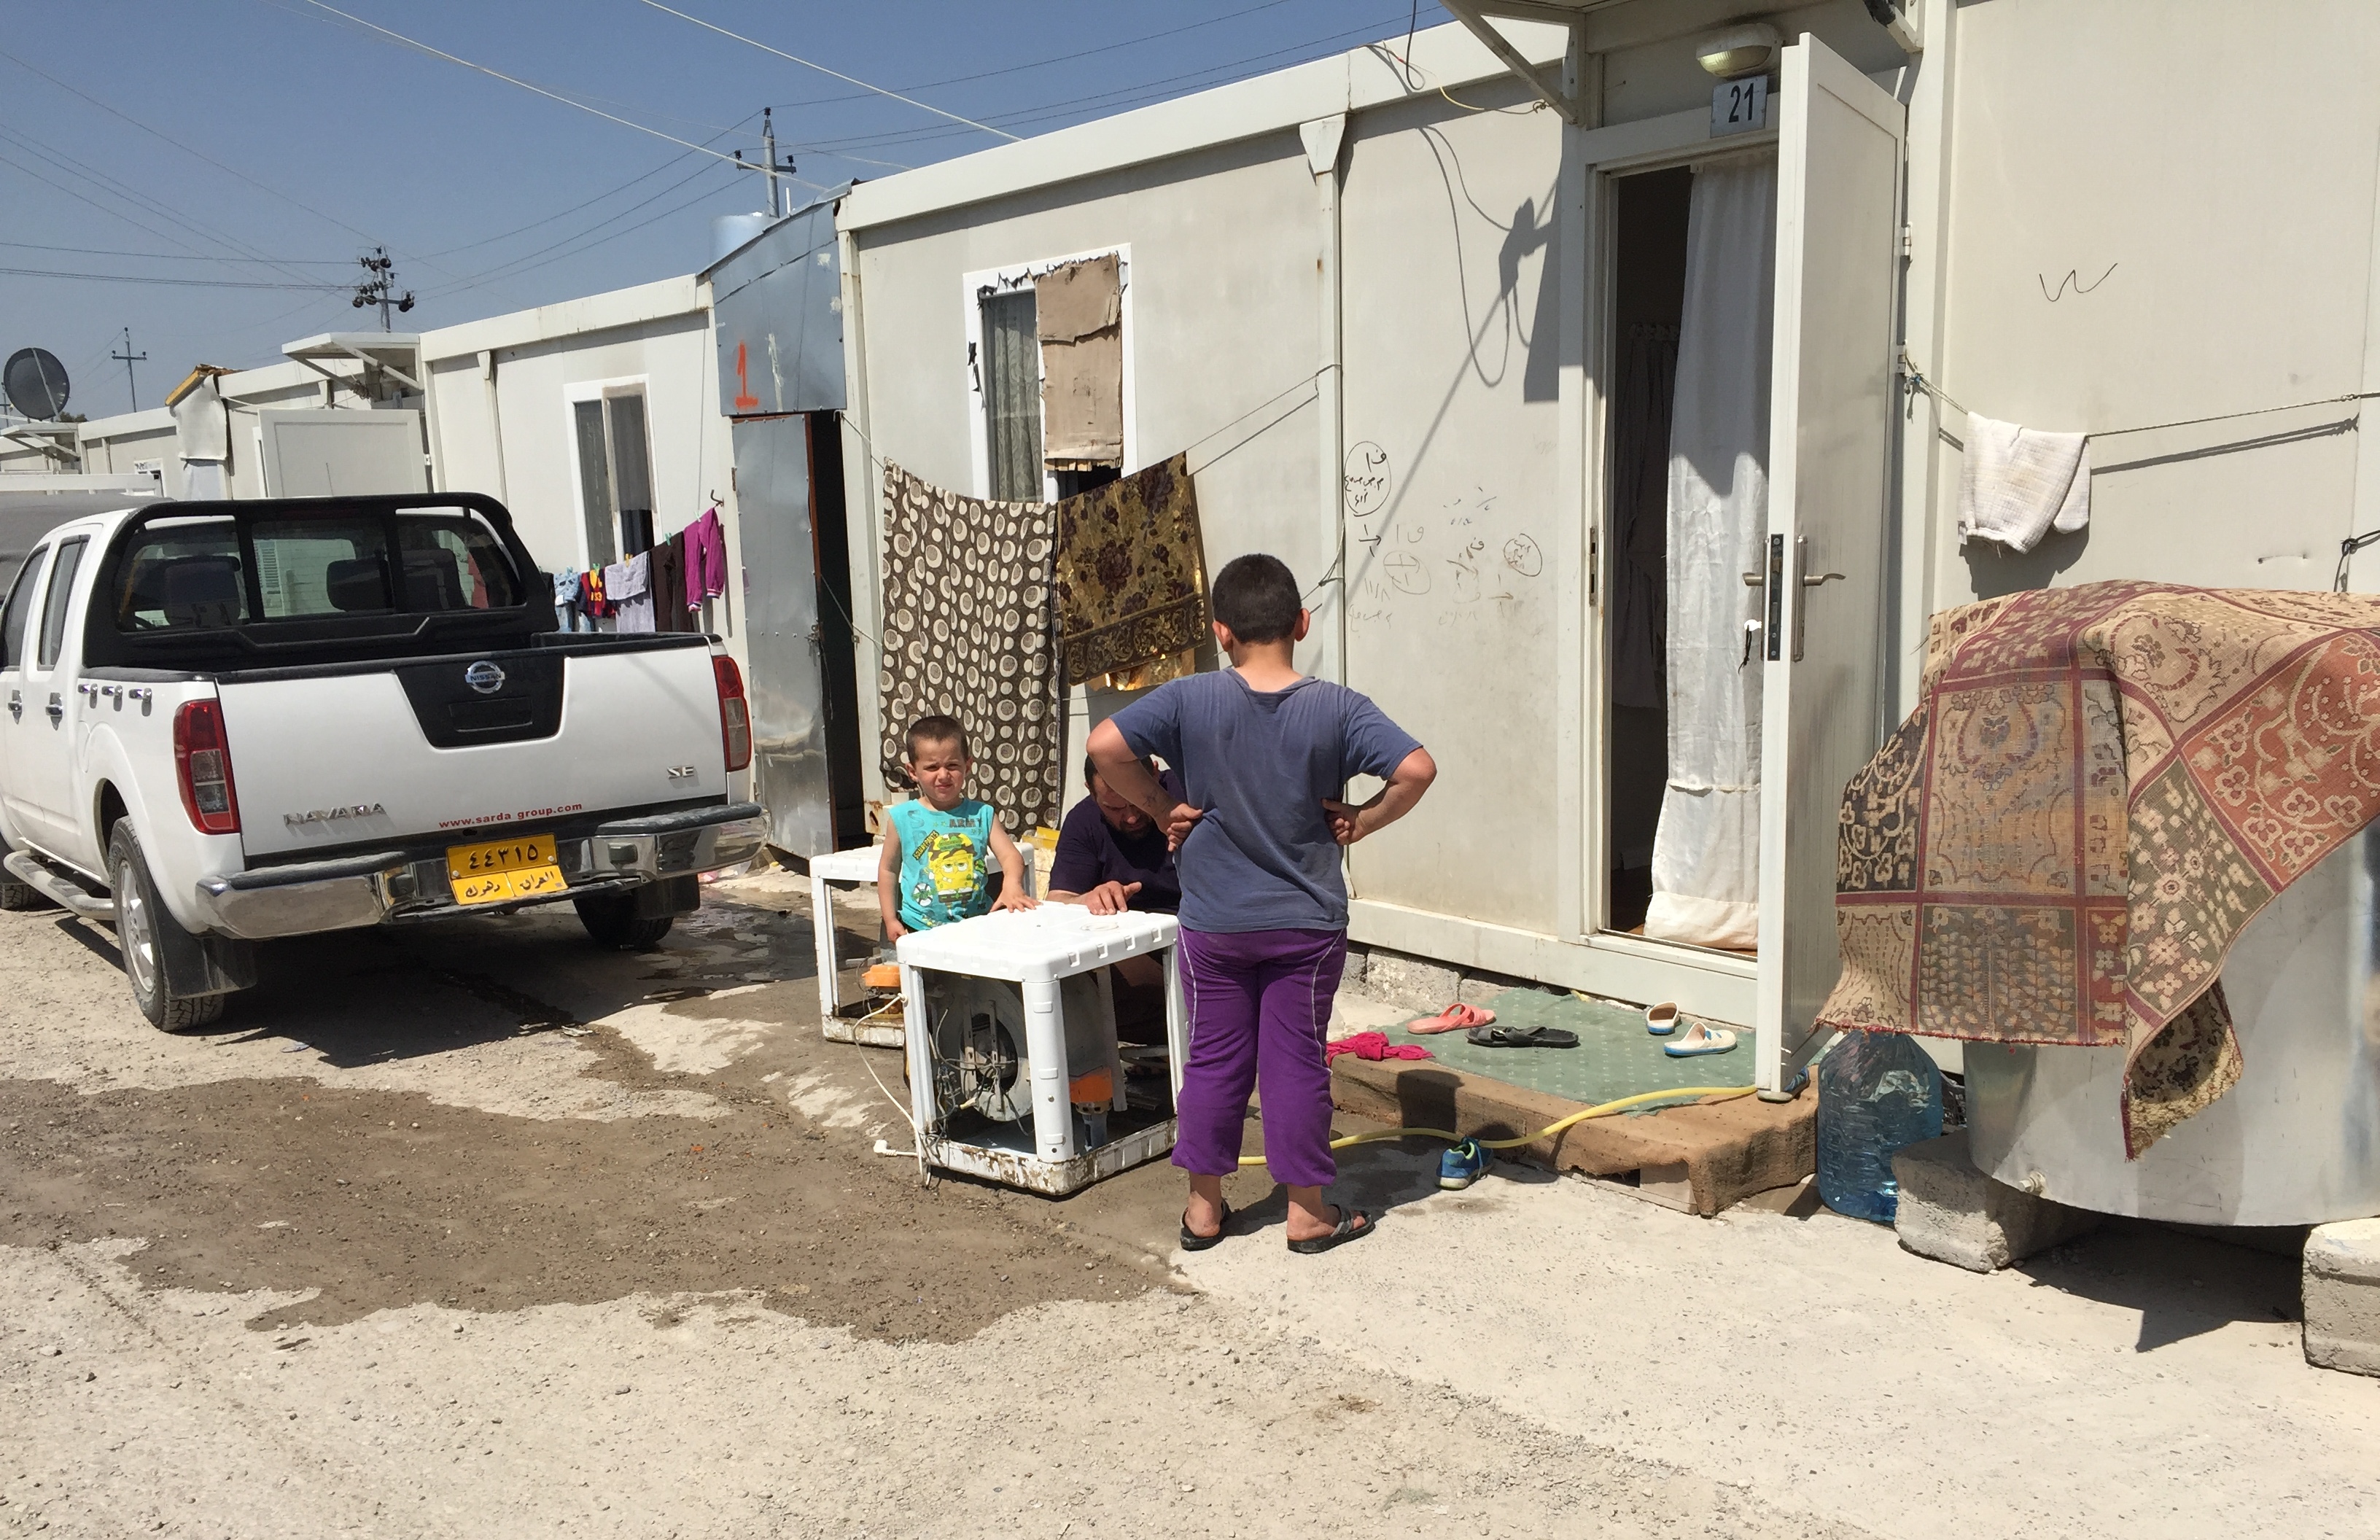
<point x="629" y="719"/>
<point x="341" y="454"/>
<point x="1838" y="243"/>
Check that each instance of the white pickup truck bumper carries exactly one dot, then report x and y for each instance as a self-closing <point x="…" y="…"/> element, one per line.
<point x="349" y="892"/>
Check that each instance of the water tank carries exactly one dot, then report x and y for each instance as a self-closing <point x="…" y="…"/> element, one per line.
<point x="733" y="232"/>
<point x="2297" y="1141"/>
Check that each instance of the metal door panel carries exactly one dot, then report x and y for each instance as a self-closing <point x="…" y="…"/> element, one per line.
<point x="789" y="747"/>
<point x="1837" y="246"/>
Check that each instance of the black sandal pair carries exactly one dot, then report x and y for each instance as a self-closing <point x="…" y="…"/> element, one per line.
<point x="1353" y="1225"/>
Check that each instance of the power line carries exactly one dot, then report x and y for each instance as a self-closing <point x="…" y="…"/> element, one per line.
<point x="184" y="149"/>
<point x="807" y="64"/>
<point x="173" y="256"/>
<point x="584" y="204"/>
<point x="1057" y="59"/>
<point x="527" y="261"/>
<point x="516" y="80"/>
<point x="177" y="283"/>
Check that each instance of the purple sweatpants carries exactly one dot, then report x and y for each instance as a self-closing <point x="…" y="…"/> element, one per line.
<point x="1259" y="1004"/>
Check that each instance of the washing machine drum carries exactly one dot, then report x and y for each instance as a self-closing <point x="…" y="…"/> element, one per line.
<point x="979" y="1056"/>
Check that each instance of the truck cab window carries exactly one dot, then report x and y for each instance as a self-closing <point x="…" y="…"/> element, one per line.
<point x="182" y="572"/>
<point x="20" y="604"/>
<point x="54" y="608"/>
<point x="454" y="561"/>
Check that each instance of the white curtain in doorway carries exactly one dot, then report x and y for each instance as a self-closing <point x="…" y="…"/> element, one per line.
<point x="1706" y="851"/>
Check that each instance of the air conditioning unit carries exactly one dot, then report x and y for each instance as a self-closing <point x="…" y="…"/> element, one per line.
<point x="1017" y="1071"/>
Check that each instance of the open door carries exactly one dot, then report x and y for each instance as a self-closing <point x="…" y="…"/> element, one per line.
<point x="1837" y="259"/>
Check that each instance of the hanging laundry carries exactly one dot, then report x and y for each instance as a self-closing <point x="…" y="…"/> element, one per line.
<point x="2020" y="483"/>
<point x="968" y="617"/>
<point x="567" y="616"/>
<point x="591" y="596"/>
<point x="634" y="593"/>
<point x="667" y="582"/>
<point x="705" y="559"/>
<point x="2041" y="855"/>
<point x="1132" y="572"/>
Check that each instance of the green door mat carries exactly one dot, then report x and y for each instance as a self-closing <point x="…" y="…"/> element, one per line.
<point x="1615" y="1057"/>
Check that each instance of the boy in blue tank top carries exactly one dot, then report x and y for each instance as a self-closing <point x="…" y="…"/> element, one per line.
<point x="940" y="845"/>
<point x="1265" y="754"/>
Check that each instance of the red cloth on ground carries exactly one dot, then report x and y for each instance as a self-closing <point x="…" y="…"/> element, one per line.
<point x="1374" y="1046"/>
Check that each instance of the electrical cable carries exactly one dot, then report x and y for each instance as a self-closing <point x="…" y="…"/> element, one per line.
<point x="806" y="63"/>
<point x="1919" y="381"/>
<point x="1602" y="1109"/>
<point x="175" y="256"/>
<point x="540" y="90"/>
<point x="520" y="265"/>
<point x="177" y="283"/>
<point x="580" y="207"/>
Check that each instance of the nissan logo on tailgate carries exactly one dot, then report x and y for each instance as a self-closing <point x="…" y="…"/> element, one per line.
<point x="484" y="678"/>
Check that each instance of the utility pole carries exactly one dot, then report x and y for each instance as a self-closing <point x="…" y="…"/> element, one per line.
<point x="127" y="359"/>
<point x="379" y="288"/>
<point x="769" y="165"/>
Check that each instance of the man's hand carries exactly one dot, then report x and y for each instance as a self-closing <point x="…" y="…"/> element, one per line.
<point x="1347" y="824"/>
<point x="1178" y="821"/>
<point x="1013" y="896"/>
<point x="1111" y="898"/>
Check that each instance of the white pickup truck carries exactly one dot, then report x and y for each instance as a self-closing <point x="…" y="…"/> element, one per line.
<point x="222" y="722"/>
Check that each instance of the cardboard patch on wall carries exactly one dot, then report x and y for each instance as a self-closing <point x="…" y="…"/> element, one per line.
<point x="1080" y="320"/>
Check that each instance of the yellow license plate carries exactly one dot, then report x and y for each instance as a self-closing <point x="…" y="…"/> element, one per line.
<point x="503" y="869"/>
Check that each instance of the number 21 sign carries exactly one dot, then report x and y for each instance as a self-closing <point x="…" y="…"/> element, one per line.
<point x="1740" y="106"/>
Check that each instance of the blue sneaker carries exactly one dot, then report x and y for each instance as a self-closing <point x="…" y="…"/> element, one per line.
<point x="1461" y="1165"/>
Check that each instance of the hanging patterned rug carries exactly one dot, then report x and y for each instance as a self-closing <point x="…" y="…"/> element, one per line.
<point x="1132" y="574"/>
<point x="2100" y="787"/>
<point x="968" y="621"/>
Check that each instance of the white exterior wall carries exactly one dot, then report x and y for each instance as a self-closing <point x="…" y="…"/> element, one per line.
<point x="2205" y="173"/>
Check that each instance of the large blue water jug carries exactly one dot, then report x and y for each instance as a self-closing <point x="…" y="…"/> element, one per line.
<point x="1878" y="1093"/>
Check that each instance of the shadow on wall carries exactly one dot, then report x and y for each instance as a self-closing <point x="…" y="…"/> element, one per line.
<point x="1996" y="570"/>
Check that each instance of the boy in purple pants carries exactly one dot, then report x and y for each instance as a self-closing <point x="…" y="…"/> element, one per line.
<point x="1264" y="754"/>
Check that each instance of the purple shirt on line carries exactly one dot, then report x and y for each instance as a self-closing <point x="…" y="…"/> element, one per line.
<point x="1260" y="763"/>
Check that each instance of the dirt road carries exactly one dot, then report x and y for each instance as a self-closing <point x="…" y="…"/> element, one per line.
<point x="470" y="1229"/>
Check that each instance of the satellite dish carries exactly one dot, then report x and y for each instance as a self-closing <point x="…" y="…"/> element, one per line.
<point x="36" y="384"/>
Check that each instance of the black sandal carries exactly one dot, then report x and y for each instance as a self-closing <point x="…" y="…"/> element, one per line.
<point x="1193" y="1240"/>
<point x="1522" y="1036"/>
<point x="1353" y="1225"/>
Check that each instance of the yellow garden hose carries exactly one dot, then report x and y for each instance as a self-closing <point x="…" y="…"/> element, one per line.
<point x="1601" y="1109"/>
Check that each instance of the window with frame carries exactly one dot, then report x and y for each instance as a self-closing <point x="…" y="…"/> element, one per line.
<point x="20" y="605"/>
<point x="53" y="609"/>
<point x="1011" y="396"/>
<point x="616" y="483"/>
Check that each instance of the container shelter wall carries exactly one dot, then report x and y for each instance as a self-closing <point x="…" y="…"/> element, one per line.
<point x="1225" y="247"/>
<point x="1454" y="520"/>
<point x="2156" y="213"/>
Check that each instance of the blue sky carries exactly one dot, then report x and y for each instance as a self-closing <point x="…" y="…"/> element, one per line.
<point x="269" y="143"/>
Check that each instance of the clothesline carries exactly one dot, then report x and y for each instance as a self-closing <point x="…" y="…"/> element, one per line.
<point x="1938" y="393"/>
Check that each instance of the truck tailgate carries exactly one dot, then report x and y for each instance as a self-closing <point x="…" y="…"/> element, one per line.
<point x="326" y="759"/>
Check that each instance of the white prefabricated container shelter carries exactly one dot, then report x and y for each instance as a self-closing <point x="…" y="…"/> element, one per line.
<point x="1413" y="317"/>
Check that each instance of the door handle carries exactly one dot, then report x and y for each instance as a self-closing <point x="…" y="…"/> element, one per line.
<point x="55" y="708"/>
<point x="1810" y="582"/>
<point x="16" y="705"/>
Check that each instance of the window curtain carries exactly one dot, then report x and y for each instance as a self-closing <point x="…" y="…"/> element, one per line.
<point x="1707" y="850"/>
<point x="1012" y="396"/>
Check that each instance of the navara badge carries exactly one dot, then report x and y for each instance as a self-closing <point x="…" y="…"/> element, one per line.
<point x="484" y="678"/>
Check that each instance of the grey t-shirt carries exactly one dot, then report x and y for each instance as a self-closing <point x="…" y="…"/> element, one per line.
<point x="1260" y="764"/>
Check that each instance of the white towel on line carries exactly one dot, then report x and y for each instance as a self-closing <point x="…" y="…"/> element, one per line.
<point x="2020" y="483"/>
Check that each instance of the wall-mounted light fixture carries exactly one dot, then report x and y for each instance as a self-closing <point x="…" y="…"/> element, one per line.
<point x="1745" y="48"/>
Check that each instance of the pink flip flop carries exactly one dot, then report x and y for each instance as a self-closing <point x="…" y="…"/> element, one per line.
<point x="1457" y="1017"/>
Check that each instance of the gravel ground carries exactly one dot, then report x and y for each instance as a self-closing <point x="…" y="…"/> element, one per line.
<point x="473" y="1231"/>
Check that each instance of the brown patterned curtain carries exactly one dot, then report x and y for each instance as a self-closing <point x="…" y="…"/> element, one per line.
<point x="1132" y="574"/>
<point x="969" y="623"/>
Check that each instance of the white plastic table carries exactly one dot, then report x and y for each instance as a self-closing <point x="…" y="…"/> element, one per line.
<point x="858" y="864"/>
<point x="1035" y="949"/>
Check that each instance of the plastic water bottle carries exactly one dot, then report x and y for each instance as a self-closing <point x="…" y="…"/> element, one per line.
<point x="1878" y="1094"/>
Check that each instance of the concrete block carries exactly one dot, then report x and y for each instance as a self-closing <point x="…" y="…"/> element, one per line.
<point x="1419" y="986"/>
<point x="1352" y="978"/>
<point x="2342" y="1296"/>
<point x="1481" y="989"/>
<point x="1954" y="1213"/>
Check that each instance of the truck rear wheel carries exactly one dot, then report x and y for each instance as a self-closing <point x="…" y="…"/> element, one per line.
<point x="613" y="921"/>
<point x="138" y="935"/>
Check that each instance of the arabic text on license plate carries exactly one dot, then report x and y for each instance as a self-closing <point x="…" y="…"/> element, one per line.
<point x="503" y="869"/>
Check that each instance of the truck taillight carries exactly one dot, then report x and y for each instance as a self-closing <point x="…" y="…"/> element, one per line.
<point x="734" y="716"/>
<point x="202" y="764"/>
